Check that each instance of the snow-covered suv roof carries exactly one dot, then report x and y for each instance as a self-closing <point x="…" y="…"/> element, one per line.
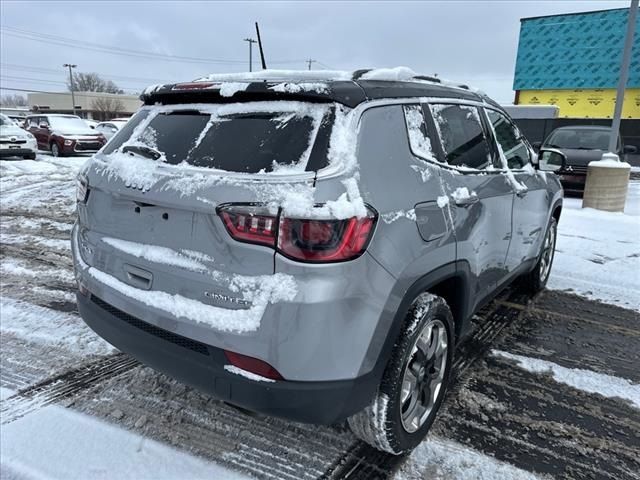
<point x="347" y="88"/>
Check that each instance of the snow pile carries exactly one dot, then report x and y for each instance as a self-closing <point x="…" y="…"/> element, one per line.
<point x="288" y="87"/>
<point x="63" y="330"/>
<point x="391" y="217"/>
<point x="461" y="194"/>
<point x="443" y="201"/>
<point x="597" y="252"/>
<point x="425" y="173"/>
<point x="259" y="291"/>
<point x="184" y="259"/>
<point x="152" y="88"/>
<point x="57" y="442"/>
<point x="398" y="74"/>
<point x="44" y="186"/>
<point x="228" y="89"/>
<point x="420" y="143"/>
<point x="440" y="458"/>
<point x="610" y="160"/>
<point x="585" y="380"/>
<point x="243" y="373"/>
<point x="278" y="75"/>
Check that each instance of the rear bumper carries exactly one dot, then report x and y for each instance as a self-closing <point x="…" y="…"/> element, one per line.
<point x="202" y="366"/>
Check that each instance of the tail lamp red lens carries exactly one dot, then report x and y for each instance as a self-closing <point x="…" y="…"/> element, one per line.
<point x="306" y="240"/>
<point x="253" y="365"/>
<point x="250" y="224"/>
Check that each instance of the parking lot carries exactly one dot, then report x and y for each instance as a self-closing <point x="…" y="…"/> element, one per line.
<point x="540" y="385"/>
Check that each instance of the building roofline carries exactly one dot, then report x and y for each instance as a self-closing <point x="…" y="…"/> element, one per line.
<point x="573" y="13"/>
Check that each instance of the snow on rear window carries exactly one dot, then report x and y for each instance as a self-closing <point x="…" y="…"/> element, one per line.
<point x="246" y="138"/>
<point x="417" y="130"/>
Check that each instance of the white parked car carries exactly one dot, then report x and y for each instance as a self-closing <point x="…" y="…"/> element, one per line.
<point x="110" y="128"/>
<point x="14" y="141"/>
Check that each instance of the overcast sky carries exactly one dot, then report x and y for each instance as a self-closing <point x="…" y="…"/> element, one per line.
<point x="469" y="41"/>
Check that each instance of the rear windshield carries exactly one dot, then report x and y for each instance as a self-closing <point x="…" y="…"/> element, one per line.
<point x="585" y="139"/>
<point x="249" y="142"/>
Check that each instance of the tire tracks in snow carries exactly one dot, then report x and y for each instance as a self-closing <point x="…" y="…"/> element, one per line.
<point x="64" y="386"/>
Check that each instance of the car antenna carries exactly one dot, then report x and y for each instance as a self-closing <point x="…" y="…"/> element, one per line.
<point x="264" y="65"/>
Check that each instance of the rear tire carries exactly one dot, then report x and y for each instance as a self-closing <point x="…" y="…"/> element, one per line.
<point x="535" y="281"/>
<point x="414" y="382"/>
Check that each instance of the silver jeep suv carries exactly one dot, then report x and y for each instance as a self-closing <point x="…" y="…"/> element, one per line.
<point x="311" y="246"/>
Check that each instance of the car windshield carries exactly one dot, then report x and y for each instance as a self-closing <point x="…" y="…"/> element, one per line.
<point x="248" y="142"/>
<point x="4" y="120"/>
<point x="68" y="124"/>
<point x="583" y="139"/>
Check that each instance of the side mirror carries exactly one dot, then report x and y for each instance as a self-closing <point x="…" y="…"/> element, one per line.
<point x="536" y="145"/>
<point x="44" y="125"/>
<point x="629" y="149"/>
<point x="551" y="160"/>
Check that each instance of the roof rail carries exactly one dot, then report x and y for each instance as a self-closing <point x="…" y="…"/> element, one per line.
<point x="428" y="78"/>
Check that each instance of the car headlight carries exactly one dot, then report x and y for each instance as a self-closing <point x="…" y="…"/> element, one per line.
<point x="68" y="142"/>
<point x="30" y="136"/>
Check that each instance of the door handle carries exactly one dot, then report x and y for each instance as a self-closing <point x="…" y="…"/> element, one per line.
<point x="468" y="200"/>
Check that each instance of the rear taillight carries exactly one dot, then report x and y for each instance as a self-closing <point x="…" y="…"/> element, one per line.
<point x="251" y="224"/>
<point x="252" y="365"/>
<point x="302" y="239"/>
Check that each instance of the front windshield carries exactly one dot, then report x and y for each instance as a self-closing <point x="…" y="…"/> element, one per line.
<point x="581" y="139"/>
<point x="68" y="124"/>
<point x="5" y="121"/>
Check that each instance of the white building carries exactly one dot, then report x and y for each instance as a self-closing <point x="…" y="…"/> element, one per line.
<point x="90" y="105"/>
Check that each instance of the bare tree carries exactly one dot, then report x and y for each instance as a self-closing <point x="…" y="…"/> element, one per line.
<point x="13" y="100"/>
<point x="107" y="107"/>
<point x="92" y="82"/>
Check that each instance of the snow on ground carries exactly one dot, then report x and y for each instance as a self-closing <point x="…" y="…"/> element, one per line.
<point x="44" y="325"/>
<point x="592" y="382"/>
<point x="45" y="185"/>
<point x="57" y="443"/>
<point x="598" y="253"/>
<point x="437" y="458"/>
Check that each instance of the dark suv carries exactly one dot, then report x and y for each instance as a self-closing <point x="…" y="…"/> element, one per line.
<point x="64" y="134"/>
<point x="580" y="145"/>
<point x="311" y="247"/>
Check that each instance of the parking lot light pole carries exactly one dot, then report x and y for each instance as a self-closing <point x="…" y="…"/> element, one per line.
<point x="251" y="42"/>
<point x="608" y="179"/>
<point x="73" y="96"/>
<point x="624" y="75"/>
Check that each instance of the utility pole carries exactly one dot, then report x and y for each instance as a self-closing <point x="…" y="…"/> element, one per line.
<point x="73" y="97"/>
<point x="251" y="41"/>
<point x="309" y="62"/>
<point x="624" y="75"/>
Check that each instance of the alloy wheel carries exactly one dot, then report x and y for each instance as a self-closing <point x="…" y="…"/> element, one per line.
<point x="423" y="375"/>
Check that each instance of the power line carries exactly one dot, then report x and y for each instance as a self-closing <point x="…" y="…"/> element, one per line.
<point x="110" y="49"/>
<point x="51" y="71"/>
<point x="15" y="78"/>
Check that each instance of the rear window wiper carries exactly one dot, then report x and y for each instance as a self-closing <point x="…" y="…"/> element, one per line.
<point x="147" y="152"/>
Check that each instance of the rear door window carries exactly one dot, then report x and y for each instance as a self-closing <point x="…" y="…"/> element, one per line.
<point x="248" y="142"/>
<point x="510" y="140"/>
<point x="462" y="135"/>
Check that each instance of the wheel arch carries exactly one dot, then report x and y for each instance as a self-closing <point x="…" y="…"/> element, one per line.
<point x="450" y="281"/>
